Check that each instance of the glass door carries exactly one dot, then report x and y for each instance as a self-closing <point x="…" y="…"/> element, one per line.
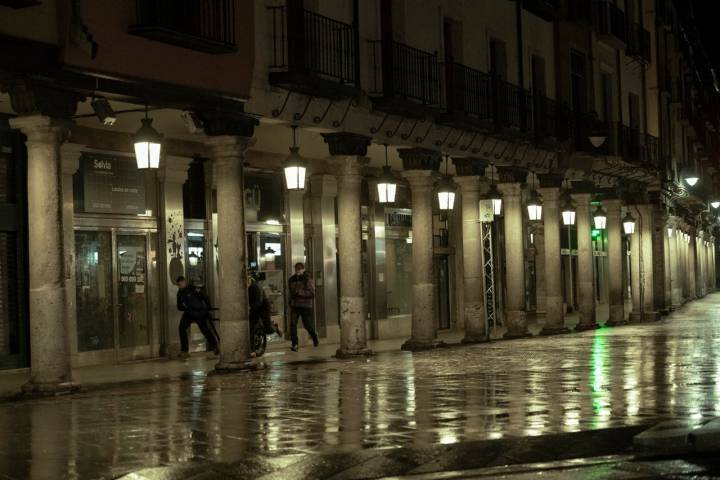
<point x="134" y="328"/>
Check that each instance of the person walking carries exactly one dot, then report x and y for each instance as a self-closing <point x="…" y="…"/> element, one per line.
<point x="302" y="294"/>
<point x="196" y="309"/>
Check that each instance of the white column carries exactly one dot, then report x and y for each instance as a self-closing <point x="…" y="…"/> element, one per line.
<point x="585" y="276"/>
<point x="554" y="315"/>
<point x="228" y="153"/>
<point x="616" y="299"/>
<point x="515" y="315"/>
<point x="642" y="265"/>
<point x="353" y="335"/>
<point x="50" y="370"/>
<point x="674" y="256"/>
<point x="473" y="291"/>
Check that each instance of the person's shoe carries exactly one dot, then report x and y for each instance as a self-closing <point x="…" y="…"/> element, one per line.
<point x="184" y="355"/>
<point x="277" y="330"/>
<point x="294" y="348"/>
<point x="315" y="342"/>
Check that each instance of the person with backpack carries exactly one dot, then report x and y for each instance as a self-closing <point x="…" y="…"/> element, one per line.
<point x="302" y="296"/>
<point x="260" y="308"/>
<point x="195" y="306"/>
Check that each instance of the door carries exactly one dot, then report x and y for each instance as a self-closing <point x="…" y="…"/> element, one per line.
<point x="442" y="296"/>
<point x="114" y="303"/>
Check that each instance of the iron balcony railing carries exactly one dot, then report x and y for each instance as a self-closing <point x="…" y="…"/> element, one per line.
<point x="512" y="105"/>
<point x="468" y="91"/>
<point x="212" y="21"/>
<point x="310" y="43"/>
<point x="638" y="44"/>
<point x="552" y="120"/>
<point x="610" y="20"/>
<point x="651" y="150"/>
<point x="586" y="125"/>
<point x="405" y="72"/>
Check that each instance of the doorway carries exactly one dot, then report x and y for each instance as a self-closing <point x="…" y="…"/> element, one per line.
<point x="115" y="289"/>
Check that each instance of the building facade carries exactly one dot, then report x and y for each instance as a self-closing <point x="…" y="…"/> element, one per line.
<point x="537" y="113"/>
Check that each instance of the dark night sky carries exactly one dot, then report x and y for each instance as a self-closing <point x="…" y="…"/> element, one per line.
<point x="707" y="13"/>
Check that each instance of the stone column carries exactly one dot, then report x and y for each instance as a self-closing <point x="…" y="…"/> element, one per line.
<point x="554" y="314"/>
<point x="469" y="179"/>
<point x="172" y="175"/>
<point x="50" y="370"/>
<point x="674" y="256"/>
<point x="642" y="265"/>
<point x="713" y="268"/>
<point x="515" y="315"/>
<point x="348" y="151"/>
<point x="70" y="154"/>
<point x="538" y="246"/>
<point x="585" y="276"/>
<point x="693" y="262"/>
<point x="419" y="165"/>
<point x="658" y="235"/>
<point x="228" y="153"/>
<point x="616" y="301"/>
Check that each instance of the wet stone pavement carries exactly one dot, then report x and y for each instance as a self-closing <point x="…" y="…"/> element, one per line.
<point x="607" y="378"/>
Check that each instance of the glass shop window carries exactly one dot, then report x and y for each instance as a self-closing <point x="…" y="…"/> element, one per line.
<point x="399" y="271"/>
<point x="263" y="197"/>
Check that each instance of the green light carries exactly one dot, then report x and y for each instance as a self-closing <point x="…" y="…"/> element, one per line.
<point x="595" y="233"/>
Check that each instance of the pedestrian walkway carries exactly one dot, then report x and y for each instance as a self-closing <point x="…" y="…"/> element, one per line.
<point x="606" y="378"/>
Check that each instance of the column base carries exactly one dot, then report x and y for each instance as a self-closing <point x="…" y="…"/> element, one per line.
<point x="411" y="345"/>
<point x="516" y="322"/>
<point x="230" y="367"/>
<point x="353" y="353"/>
<point x="583" y="327"/>
<point x="644" y="317"/>
<point x="41" y="389"/>
<point x="546" y="331"/>
<point x="470" y="338"/>
<point x="616" y="323"/>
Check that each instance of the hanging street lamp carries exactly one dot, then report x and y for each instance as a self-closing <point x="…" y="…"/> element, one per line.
<point x="387" y="186"/>
<point x="599" y="218"/>
<point x="690" y="176"/>
<point x="148" y="143"/>
<point x="494" y="194"/>
<point x="669" y="232"/>
<point x="446" y="190"/>
<point x="534" y="204"/>
<point x="295" y="170"/>
<point x="628" y="224"/>
<point x="568" y="211"/>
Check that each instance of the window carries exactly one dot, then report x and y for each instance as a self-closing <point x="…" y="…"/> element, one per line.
<point x="498" y="59"/>
<point x="538" y="75"/>
<point x="578" y="82"/>
<point x="607" y="96"/>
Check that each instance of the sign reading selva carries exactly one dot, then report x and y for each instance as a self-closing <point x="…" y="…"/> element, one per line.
<point x="112" y="185"/>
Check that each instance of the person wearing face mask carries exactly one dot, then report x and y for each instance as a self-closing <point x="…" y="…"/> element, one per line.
<point x="302" y="294"/>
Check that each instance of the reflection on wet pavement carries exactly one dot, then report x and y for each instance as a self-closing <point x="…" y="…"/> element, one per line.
<point x="605" y="378"/>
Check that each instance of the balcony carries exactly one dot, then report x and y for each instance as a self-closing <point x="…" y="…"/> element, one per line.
<point x="313" y="54"/>
<point x="512" y="107"/>
<point x="609" y="23"/>
<point x="586" y="125"/>
<point x="203" y="25"/>
<point x="650" y="150"/>
<point x="19" y="3"/>
<point x="628" y="145"/>
<point x="468" y="98"/>
<point x="405" y="80"/>
<point x="638" y="45"/>
<point x="664" y="13"/>
<point x="552" y="121"/>
<point x="548" y="10"/>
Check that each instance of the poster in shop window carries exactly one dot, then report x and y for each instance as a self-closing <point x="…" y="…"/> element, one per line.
<point x="112" y="185"/>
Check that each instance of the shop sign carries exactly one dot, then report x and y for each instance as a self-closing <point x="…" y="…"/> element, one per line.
<point x="486" y="211"/>
<point x="112" y="185"/>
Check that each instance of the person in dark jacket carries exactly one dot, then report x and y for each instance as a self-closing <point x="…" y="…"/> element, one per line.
<point x="260" y="309"/>
<point x="195" y="306"/>
<point x="302" y="295"/>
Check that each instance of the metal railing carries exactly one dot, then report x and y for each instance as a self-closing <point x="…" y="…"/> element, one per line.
<point x="468" y="91"/>
<point x="206" y="19"/>
<point x="586" y="125"/>
<point x="629" y="143"/>
<point x="512" y="105"/>
<point x="406" y="72"/>
<point x="638" y="44"/>
<point x="552" y="120"/>
<point x="610" y="20"/>
<point x="651" y="151"/>
<point x="307" y="42"/>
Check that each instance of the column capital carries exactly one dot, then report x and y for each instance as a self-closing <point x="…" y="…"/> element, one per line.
<point x="415" y="158"/>
<point x="549" y="194"/>
<point x="582" y="199"/>
<point x="419" y="179"/>
<point x="346" y="143"/>
<point x="349" y="165"/>
<point x="613" y="205"/>
<point x="229" y="146"/>
<point x="550" y="180"/>
<point x="33" y="98"/>
<point x="510" y="189"/>
<point x="223" y="124"/>
<point x="174" y="169"/>
<point x="42" y="129"/>
<point x="512" y="175"/>
<point x="70" y="154"/>
<point x="323" y="186"/>
<point x="472" y="167"/>
<point x="470" y="183"/>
